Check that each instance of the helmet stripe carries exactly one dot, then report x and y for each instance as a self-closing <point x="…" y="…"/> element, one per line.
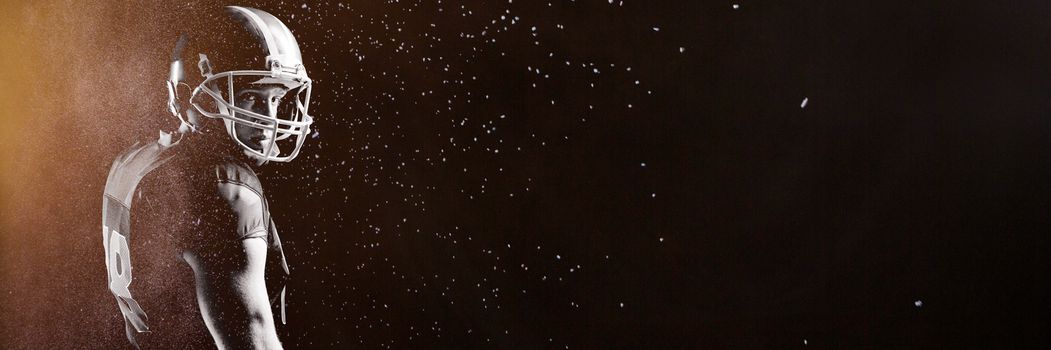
<point x="260" y="26"/>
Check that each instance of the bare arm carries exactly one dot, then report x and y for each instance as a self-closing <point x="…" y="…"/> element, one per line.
<point x="231" y="292"/>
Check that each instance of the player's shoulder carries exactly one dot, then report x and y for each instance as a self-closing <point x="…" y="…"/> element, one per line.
<point x="224" y="196"/>
<point x="234" y="172"/>
<point x="238" y="185"/>
<point x="206" y="179"/>
<point x="201" y="172"/>
<point x="240" y="191"/>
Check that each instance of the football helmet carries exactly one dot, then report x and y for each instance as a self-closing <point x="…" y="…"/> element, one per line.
<point x="216" y="96"/>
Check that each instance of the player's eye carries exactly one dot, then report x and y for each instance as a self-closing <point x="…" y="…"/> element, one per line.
<point x="247" y="97"/>
<point x="262" y="122"/>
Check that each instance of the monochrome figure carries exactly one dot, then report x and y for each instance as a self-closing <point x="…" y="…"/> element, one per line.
<point x="240" y="92"/>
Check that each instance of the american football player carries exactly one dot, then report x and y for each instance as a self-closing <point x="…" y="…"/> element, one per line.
<point x="191" y="198"/>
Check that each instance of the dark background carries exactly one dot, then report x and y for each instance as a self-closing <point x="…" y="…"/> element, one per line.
<point x="664" y="189"/>
<point x="917" y="172"/>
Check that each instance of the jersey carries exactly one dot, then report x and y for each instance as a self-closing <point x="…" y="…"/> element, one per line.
<point x="180" y="200"/>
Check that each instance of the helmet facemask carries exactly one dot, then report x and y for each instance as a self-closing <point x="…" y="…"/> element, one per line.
<point x="286" y="124"/>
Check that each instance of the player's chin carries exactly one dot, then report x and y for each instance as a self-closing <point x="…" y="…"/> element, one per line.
<point x="259" y="142"/>
<point x="261" y="147"/>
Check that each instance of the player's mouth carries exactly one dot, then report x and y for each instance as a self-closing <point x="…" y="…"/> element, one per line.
<point x="259" y="142"/>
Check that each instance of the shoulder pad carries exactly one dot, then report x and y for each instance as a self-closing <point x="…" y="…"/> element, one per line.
<point x="235" y="172"/>
<point x="129" y="168"/>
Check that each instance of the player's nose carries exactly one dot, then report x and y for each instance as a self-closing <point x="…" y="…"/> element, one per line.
<point x="271" y="107"/>
<point x="267" y="109"/>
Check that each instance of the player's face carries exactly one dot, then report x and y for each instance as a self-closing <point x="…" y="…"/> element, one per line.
<point x="263" y="99"/>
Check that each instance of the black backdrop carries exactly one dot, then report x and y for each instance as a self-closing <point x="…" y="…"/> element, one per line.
<point x="447" y="202"/>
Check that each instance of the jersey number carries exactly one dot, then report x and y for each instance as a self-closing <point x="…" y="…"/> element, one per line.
<point x="118" y="264"/>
